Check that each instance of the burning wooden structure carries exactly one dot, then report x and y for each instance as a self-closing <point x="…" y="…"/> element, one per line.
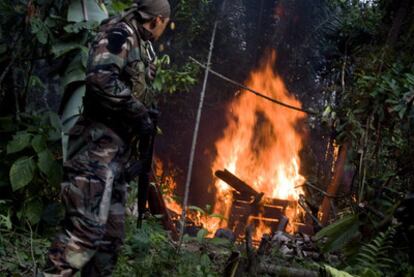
<point x="261" y="148"/>
<point x="250" y="207"/>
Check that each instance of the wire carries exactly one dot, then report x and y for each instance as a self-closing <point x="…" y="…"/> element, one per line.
<point x="221" y="76"/>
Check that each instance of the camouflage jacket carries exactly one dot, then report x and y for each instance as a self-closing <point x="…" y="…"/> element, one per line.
<point x="117" y="87"/>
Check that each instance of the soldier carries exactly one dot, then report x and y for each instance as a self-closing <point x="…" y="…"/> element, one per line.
<point x="116" y="105"/>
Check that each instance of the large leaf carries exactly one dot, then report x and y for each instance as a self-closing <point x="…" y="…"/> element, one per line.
<point x="54" y="133"/>
<point x="62" y="48"/>
<point x="333" y="272"/>
<point x="73" y="76"/>
<point x="76" y="69"/>
<point x="336" y="227"/>
<point x="202" y="234"/>
<point x="339" y="233"/>
<point x="39" y="143"/>
<point x="33" y="211"/>
<point x="93" y="10"/>
<point x="71" y="112"/>
<point x="49" y="166"/>
<point x="79" y="26"/>
<point x="40" y="29"/>
<point x="21" y="172"/>
<point x="5" y="221"/>
<point x="20" y="141"/>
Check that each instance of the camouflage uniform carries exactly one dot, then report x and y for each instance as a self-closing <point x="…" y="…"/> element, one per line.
<point x="93" y="191"/>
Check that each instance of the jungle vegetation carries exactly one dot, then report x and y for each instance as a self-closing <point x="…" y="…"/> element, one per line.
<point x="365" y="87"/>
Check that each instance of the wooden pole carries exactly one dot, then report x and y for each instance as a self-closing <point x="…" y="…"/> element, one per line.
<point x="195" y="134"/>
<point x="324" y="211"/>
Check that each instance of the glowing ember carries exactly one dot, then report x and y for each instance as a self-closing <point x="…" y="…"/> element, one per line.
<point x="260" y="144"/>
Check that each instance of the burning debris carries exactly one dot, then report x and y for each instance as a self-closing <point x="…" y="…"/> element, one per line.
<point x="260" y="146"/>
<point x="250" y="207"/>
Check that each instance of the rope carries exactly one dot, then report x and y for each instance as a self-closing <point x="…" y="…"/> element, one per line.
<point x="195" y="135"/>
<point x="227" y="79"/>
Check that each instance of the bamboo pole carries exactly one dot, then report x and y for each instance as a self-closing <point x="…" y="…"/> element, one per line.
<point x="195" y="134"/>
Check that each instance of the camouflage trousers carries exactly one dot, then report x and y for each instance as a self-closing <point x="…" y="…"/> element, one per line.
<point x="94" y="195"/>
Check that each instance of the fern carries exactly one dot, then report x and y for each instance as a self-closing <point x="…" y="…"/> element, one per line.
<point x="375" y="255"/>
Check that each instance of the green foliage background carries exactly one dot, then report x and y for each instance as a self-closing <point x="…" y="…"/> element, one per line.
<point x="368" y="77"/>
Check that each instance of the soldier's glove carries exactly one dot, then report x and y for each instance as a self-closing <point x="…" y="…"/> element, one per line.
<point x="146" y="126"/>
<point x="151" y="71"/>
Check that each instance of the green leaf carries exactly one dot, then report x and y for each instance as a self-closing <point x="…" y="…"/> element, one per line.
<point x="40" y="29"/>
<point x="369" y="272"/>
<point x="21" y="172"/>
<point x="335" y="272"/>
<point x="198" y="209"/>
<point x="79" y="26"/>
<point x="35" y="82"/>
<point x="70" y="114"/>
<point x="336" y="227"/>
<point x="338" y="241"/>
<point x="219" y="241"/>
<point x="39" y="143"/>
<point x="73" y="76"/>
<point x="48" y="165"/>
<point x="201" y="235"/>
<point x="55" y="132"/>
<point x="33" y="211"/>
<point x="20" y="141"/>
<point x="119" y="6"/>
<point x="62" y="48"/>
<point x="339" y="233"/>
<point x="219" y="216"/>
<point x="94" y="12"/>
<point x="6" y="221"/>
<point x="205" y="261"/>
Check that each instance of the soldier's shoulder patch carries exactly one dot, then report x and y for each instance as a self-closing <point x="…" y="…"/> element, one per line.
<point x="117" y="37"/>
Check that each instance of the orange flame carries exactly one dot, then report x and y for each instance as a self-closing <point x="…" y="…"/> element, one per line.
<point x="261" y="143"/>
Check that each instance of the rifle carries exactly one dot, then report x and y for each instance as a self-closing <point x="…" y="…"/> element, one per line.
<point x="146" y="150"/>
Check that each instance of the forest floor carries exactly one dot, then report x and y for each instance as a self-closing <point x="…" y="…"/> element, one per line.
<point x="149" y="251"/>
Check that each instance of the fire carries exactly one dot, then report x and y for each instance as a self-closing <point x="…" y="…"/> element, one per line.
<point x="261" y="143"/>
<point x="169" y="186"/>
<point x="169" y="189"/>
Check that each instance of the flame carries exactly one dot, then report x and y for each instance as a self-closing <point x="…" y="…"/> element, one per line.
<point x="261" y="143"/>
<point x="169" y="186"/>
